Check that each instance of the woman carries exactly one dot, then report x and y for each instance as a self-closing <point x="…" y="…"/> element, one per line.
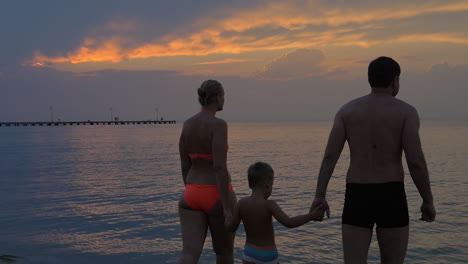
<point x="208" y="197"/>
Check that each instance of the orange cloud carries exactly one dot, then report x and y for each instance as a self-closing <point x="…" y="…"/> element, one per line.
<point x="224" y="61"/>
<point x="439" y="37"/>
<point x="234" y="34"/>
<point x="110" y="50"/>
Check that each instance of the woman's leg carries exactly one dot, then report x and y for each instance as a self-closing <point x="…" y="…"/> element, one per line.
<point x="194" y="226"/>
<point x="356" y="242"/>
<point x="393" y="243"/>
<point x="223" y="240"/>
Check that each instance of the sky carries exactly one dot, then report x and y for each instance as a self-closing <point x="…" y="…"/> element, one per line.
<point x="277" y="60"/>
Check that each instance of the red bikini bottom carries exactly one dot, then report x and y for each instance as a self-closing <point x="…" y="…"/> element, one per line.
<point x="202" y="196"/>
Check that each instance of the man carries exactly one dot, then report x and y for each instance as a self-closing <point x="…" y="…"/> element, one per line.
<point x="378" y="128"/>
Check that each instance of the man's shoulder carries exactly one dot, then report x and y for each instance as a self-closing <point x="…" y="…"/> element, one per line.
<point x="355" y="101"/>
<point x="405" y="106"/>
<point x="351" y="104"/>
<point x="366" y="99"/>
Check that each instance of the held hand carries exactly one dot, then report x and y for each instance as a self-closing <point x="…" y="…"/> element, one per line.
<point x="317" y="214"/>
<point x="322" y="204"/>
<point x="428" y="212"/>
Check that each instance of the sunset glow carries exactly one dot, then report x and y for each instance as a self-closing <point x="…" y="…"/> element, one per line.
<point x="268" y="27"/>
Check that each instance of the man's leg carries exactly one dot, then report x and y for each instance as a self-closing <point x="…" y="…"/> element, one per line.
<point x="356" y="241"/>
<point x="393" y="243"/>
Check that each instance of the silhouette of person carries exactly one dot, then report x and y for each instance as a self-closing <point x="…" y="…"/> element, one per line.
<point x="208" y="200"/>
<point x="378" y="128"/>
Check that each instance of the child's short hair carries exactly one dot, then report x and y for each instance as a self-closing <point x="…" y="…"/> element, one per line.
<point x="258" y="173"/>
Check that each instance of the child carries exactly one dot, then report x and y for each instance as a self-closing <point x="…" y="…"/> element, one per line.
<point x="256" y="213"/>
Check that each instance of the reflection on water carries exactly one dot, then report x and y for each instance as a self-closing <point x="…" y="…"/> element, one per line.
<point x="109" y="194"/>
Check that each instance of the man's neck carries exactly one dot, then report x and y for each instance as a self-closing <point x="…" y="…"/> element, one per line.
<point x="382" y="90"/>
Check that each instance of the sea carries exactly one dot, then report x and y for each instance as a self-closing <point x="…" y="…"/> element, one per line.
<point x="109" y="194"/>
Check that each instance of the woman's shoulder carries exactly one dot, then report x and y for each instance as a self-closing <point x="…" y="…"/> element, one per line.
<point x="205" y="121"/>
<point x="219" y="121"/>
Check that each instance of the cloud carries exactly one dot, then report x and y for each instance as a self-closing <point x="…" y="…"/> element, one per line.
<point x="275" y="25"/>
<point x="436" y="38"/>
<point x="444" y="69"/>
<point x="197" y="72"/>
<point x="298" y="64"/>
<point x="225" y="61"/>
<point x="439" y="67"/>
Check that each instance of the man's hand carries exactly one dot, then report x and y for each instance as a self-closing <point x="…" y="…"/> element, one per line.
<point x="428" y="212"/>
<point x="322" y="204"/>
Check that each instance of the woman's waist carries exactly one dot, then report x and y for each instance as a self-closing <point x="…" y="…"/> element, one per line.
<point x="201" y="177"/>
<point x="205" y="186"/>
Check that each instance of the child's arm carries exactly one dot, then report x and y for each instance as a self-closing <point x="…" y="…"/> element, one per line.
<point x="291" y="222"/>
<point x="234" y="222"/>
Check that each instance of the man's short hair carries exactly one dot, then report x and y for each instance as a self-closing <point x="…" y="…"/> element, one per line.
<point x="259" y="173"/>
<point x="382" y="71"/>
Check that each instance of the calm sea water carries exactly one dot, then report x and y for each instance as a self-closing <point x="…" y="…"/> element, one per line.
<point x="108" y="194"/>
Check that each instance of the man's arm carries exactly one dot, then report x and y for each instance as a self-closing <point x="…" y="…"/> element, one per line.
<point x="417" y="164"/>
<point x="333" y="150"/>
<point x="185" y="161"/>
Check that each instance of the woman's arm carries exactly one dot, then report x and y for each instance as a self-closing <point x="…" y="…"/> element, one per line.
<point x="185" y="160"/>
<point x="234" y="222"/>
<point x="219" y="150"/>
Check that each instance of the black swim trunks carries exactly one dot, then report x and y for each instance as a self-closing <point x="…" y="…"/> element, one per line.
<point x="381" y="203"/>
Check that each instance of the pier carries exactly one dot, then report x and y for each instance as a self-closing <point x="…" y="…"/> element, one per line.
<point x="85" y="123"/>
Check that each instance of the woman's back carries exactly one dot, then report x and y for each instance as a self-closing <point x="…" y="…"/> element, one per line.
<point x="196" y="141"/>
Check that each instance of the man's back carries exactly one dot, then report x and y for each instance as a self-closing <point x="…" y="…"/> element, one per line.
<point x="373" y="126"/>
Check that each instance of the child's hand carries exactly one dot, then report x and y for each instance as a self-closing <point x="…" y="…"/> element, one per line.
<point x="320" y="202"/>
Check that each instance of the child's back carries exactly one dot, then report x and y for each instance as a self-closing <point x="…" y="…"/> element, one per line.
<point x="257" y="218"/>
